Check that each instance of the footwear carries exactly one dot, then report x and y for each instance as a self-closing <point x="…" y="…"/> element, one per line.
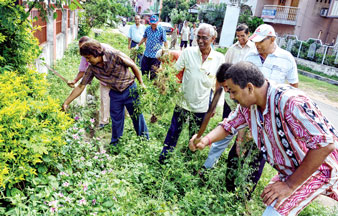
<point x="101" y="126"/>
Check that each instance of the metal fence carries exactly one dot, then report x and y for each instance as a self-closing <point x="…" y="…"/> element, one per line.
<point x="312" y="50"/>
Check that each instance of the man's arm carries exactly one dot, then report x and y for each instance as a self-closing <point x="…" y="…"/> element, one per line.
<point x="294" y="85"/>
<point x="77" y="78"/>
<point x="312" y="161"/>
<point x="130" y="63"/>
<point x="215" y="135"/>
<point x="166" y="44"/>
<point x="75" y="93"/>
<point x="129" y="43"/>
<point x="141" y="42"/>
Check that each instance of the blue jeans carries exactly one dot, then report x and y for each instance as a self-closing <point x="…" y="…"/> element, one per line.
<point x="139" y="56"/>
<point x="179" y="117"/>
<point x="216" y="151"/>
<point x="118" y="100"/>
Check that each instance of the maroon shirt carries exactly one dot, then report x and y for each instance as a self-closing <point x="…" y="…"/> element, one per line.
<point x="114" y="72"/>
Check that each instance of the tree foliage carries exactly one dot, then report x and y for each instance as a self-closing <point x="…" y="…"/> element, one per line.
<point x="213" y="14"/>
<point x="252" y="21"/>
<point x="169" y="5"/>
<point x="106" y="12"/>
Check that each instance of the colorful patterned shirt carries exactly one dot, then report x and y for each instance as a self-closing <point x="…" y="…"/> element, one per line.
<point x="289" y="127"/>
<point x="155" y="39"/>
<point x="114" y="72"/>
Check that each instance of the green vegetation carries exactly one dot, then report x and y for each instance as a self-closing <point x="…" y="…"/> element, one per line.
<point x="308" y="69"/>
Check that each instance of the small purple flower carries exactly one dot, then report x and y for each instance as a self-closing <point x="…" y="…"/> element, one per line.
<point x="85" y="187"/>
<point x="110" y="170"/>
<point x="104" y="172"/>
<point x="82" y="158"/>
<point x="53" y="203"/>
<point x="66" y="184"/>
<point x="103" y="151"/>
<point x="67" y="199"/>
<point x="94" y="201"/>
<point x="96" y="157"/>
<point x="82" y="202"/>
<point x="63" y="173"/>
<point x="52" y="210"/>
<point x="60" y="195"/>
<point x="77" y="118"/>
<point x="76" y="137"/>
<point x="114" y="198"/>
<point x="92" y="120"/>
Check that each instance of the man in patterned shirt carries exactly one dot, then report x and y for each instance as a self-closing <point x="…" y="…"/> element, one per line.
<point x="290" y="131"/>
<point x="112" y="67"/>
<point x="155" y="36"/>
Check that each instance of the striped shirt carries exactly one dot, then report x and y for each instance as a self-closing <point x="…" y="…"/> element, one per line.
<point x="114" y="72"/>
<point x="289" y="127"/>
<point x="277" y="67"/>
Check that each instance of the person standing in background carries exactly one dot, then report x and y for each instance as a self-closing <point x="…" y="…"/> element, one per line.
<point x="174" y="35"/>
<point x="135" y="35"/>
<point x="185" y="31"/>
<point x="192" y="33"/>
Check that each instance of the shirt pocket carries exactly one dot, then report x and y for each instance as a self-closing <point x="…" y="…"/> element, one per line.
<point x="278" y="73"/>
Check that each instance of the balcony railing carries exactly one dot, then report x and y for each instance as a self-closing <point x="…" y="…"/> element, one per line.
<point x="280" y="14"/>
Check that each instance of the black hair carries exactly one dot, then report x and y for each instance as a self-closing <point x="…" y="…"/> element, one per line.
<point x="220" y="74"/>
<point x="243" y="73"/>
<point x="243" y="27"/>
<point x="84" y="39"/>
<point x="91" y="47"/>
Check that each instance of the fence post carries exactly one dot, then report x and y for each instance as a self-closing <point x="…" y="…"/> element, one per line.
<point x="324" y="54"/>
<point x="300" y="47"/>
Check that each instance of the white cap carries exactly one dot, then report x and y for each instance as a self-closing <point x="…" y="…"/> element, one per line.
<point x="262" y="32"/>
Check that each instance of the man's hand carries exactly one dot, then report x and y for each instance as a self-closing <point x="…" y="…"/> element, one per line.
<point x="137" y="47"/>
<point x="143" y="86"/>
<point x="71" y="84"/>
<point x="276" y="191"/>
<point x="64" y="107"/>
<point x="197" y="143"/>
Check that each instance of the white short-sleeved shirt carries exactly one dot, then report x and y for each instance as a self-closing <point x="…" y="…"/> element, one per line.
<point x="185" y="33"/>
<point x="237" y="53"/>
<point x="278" y="67"/>
<point x="136" y="33"/>
<point x="198" y="78"/>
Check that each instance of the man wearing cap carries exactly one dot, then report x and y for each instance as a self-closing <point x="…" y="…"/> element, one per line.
<point x="200" y="65"/>
<point x="155" y="36"/>
<point x="277" y="65"/>
<point x="135" y="35"/>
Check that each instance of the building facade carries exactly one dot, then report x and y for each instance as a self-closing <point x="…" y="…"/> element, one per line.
<point x="303" y="18"/>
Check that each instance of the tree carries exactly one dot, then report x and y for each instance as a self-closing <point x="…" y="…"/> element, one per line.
<point x="213" y="14"/>
<point x="169" y="5"/>
<point x="251" y="21"/>
<point x="106" y="12"/>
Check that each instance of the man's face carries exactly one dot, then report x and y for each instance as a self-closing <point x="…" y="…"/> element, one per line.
<point x="239" y="95"/>
<point x="93" y="60"/>
<point x="137" y="20"/>
<point x="204" y="39"/>
<point x="264" y="46"/>
<point x="242" y="37"/>
<point x="153" y="26"/>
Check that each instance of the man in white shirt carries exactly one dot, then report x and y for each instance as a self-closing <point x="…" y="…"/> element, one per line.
<point x="185" y="31"/>
<point x="135" y="34"/>
<point x="200" y="65"/>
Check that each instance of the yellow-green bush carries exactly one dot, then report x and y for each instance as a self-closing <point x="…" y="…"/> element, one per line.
<point x="31" y="126"/>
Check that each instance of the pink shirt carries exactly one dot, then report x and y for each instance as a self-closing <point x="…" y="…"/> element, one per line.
<point x="83" y="64"/>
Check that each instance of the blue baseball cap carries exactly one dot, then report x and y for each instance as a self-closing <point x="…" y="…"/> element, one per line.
<point x="153" y="19"/>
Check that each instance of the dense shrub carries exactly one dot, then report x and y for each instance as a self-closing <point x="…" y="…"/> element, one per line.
<point x="31" y="128"/>
<point x="18" y="46"/>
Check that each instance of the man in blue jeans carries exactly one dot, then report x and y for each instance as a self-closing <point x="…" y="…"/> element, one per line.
<point x="112" y="67"/>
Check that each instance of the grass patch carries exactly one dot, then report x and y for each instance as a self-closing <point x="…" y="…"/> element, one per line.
<point x="308" y="69"/>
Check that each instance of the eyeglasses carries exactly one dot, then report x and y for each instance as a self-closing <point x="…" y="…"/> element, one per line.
<point x="202" y="38"/>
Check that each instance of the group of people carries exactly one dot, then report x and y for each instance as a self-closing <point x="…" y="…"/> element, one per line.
<point x="286" y="126"/>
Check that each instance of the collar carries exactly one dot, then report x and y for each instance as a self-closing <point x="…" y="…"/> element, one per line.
<point x="211" y="54"/>
<point x="249" y="44"/>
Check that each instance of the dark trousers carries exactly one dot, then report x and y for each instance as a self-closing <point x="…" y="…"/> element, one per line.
<point x="118" y="100"/>
<point x="184" y="44"/>
<point x="226" y="110"/>
<point x="139" y="56"/>
<point x="257" y="165"/>
<point x="149" y="66"/>
<point x="179" y="117"/>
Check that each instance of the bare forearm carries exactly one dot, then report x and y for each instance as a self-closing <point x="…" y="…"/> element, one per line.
<point x="142" y="41"/>
<point x="294" y="85"/>
<point x="166" y="44"/>
<point x="137" y="73"/>
<point x="312" y="161"/>
<point x="129" y="42"/>
<point x="75" y="93"/>
<point x="79" y="76"/>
